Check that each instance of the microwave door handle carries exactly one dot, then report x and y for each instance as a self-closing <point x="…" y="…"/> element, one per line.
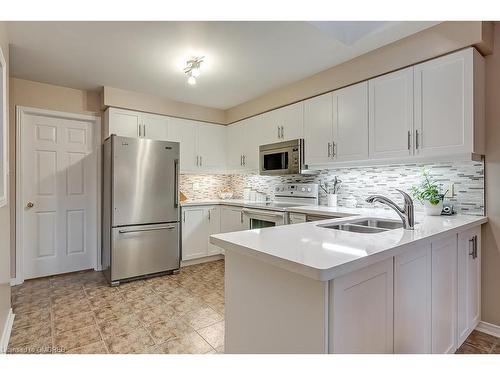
<point x="176" y="182"/>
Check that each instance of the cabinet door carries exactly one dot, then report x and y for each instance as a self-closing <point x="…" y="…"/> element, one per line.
<point x="124" y="123"/>
<point x="291" y="118"/>
<point x="155" y="126"/>
<point x="350" y="123"/>
<point x="213" y="218"/>
<point x="469" y="282"/>
<point x="318" y="133"/>
<point x="412" y="300"/>
<point x="296" y="218"/>
<point x="269" y="127"/>
<point x="444" y="295"/>
<point x="362" y="319"/>
<point x="211" y="150"/>
<point x="251" y="141"/>
<point x="184" y="131"/>
<point x="444" y="104"/>
<point x="391" y="115"/>
<point x="194" y="233"/>
<point x="232" y="220"/>
<point x="234" y="146"/>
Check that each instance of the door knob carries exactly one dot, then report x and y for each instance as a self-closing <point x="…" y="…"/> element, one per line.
<point x="29" y="204"/>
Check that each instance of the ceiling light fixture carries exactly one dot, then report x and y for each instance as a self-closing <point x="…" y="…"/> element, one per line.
<point x="193" y="69"/>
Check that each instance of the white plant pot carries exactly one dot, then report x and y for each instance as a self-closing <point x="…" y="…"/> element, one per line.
<point x="332" y="200"/>
<point x="433" y="209"/>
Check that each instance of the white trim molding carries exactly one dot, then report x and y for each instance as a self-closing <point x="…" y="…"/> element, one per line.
<point x="7" y="329"/>
<point x="96" y="119"/>
<point x="490" y="329"/>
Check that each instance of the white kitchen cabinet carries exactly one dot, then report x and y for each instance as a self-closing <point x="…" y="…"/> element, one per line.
<point x="154" y="126"/>
<point x="184" y="132"/>
<point x="213" y="227"/>
<point x="232" y="219"/>
<point x="243" y="140"/>
<point x="121" y="122"/>
<point x="391" y="115"/>
<point x="350" y="123"/>
<point x="449" y="104"/>
<point x="362" y="316"/>
<point x="469" y="282"/>
<point x="282" y="124"/>
<point x="198" y="223"/>
<point x="211" y="147"/>
<point x="412" y="300"/>
<point x="194" y="232"/>
<point x="318" y="129"/>
<point x="444" y="295"/>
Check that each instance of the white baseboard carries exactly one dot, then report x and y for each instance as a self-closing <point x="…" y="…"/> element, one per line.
<point x="7" y="329"/>
<point x="490" y="329"/>
<point x="15" y="281"/>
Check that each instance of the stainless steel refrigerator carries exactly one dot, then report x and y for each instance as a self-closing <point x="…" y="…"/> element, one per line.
<point x="140" y="222"/>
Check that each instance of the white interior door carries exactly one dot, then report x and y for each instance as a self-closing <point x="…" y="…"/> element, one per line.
<point x="58" y="185"/>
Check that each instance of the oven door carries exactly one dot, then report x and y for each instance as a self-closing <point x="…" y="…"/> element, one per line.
<point x="264" y="218"/>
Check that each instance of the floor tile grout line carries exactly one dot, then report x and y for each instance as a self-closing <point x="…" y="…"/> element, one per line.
<point x="100" y="333"/>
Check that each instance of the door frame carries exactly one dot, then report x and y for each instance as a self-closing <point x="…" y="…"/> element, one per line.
<point x="96" y="120"/>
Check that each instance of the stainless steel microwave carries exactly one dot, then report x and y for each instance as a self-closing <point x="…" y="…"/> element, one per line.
<point x="282" y="158"/>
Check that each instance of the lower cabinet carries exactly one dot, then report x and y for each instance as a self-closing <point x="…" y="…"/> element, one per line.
<point x="412" y="300"/>
<point x="469" y="282"/>
<point x="296" y="218"/>
<point x="232" y="220"/>
<point x="444" y="295"/>
<point x="361" y="318"/>
<point x="198" y="223"/>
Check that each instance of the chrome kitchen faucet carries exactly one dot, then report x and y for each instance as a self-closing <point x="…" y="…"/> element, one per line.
<point x="406" y="213"/>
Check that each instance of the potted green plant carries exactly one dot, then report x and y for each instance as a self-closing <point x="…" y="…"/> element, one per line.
<point x="429" y="193"/>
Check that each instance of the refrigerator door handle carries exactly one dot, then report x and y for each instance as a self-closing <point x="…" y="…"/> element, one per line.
<point x="123" y="231"/>
<point x="176" y="182"/>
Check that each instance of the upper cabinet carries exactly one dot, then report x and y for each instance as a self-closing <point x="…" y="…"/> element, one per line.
<point x="318" y="129"/>
<point x="350" y="123"/>
<point x="391" y="115"/>
<point x="243" y="140"/>
<point x="449" y="105"/>
<point x="202" y="145"/>
<point x="282" y="124"/>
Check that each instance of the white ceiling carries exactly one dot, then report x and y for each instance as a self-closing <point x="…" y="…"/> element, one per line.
<point x="243" y="59"/>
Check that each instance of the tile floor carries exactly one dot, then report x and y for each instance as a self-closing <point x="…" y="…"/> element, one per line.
<point x="183" y="313"/>
<point x="80" y="313"/>
<point x="480" y="343"/>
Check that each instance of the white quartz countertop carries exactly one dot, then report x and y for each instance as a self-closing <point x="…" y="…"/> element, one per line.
<point x="324" y="254"/>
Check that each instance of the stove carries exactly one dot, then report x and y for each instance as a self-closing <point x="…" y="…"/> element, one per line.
<point x="269" y="214"/>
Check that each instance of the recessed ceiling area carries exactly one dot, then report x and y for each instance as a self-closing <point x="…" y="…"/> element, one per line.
<point x="242" y="60"/>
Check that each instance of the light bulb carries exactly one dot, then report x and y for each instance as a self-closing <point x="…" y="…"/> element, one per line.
<point x="195" y="72"/>
<point x="191" y="80"/>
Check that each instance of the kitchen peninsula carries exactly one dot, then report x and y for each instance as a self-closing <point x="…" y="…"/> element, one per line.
<point x="308" y="288"/>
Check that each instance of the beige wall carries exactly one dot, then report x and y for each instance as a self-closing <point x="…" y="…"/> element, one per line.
<point x="427" y="44"/>
<point x="45" y="96"/>
<point x="112" y="97"/>
<point x="491" y="231"/>
<point x="4" y="217"/>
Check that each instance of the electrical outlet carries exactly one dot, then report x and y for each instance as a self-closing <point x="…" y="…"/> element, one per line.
<point x="449" y="190"/>
<point x="196" y="186"/>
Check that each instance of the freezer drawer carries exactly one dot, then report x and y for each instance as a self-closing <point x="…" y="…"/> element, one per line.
<point x="144" y="249"/>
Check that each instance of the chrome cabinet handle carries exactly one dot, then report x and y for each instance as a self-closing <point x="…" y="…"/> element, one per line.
<point x="29" y="205"/>
<point x="279" y="134"/>
<point x="144" y="130"/>
<point x="244" y="162"/>
<point x="123" y="231"/>
<point x="417" y="142"/>
<point x="329" y="149"/>
<point x="473" y="241"/>
<point x="270" y="213"/>
<point x="197" y="161"/>
<point x="409" y="140"/>
<point x="184" y="216"/>
<point x="209" y="215"/>
<point x="333" y="149"/>
<point x="139" y="128"/>
<point x="201" y="161"/>
<point x="241" y="160"/>
<point x="282" y="132"/>
<point x="241" y="216"/>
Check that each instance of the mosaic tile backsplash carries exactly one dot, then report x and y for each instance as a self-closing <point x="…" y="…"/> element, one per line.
<point x="360" y="182"/>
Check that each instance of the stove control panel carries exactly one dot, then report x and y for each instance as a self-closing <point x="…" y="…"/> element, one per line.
<point x="296" y="190"/>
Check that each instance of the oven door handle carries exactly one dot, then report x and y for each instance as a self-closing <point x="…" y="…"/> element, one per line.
<point x="262" y="212"/>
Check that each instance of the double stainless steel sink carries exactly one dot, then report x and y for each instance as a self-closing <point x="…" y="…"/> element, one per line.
<point x="370" y="225"/>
